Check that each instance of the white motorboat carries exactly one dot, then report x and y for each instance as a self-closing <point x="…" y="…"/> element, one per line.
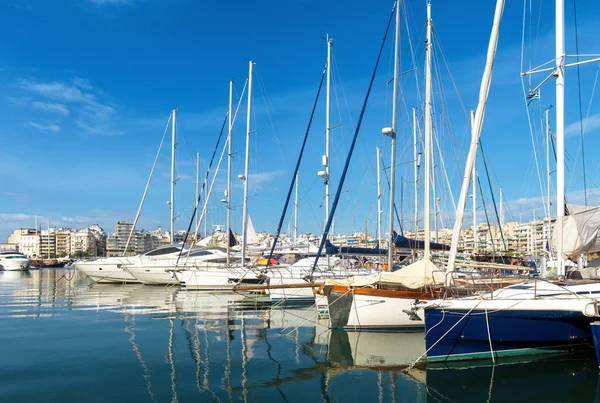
<point x="207" y="277"/>
<point x="111" y="269"/>
<point x="12" y="261"/>
<point x="161" y="271"/>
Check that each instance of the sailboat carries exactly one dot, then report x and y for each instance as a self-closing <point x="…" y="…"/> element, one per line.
<point x="208" y="277"/>
<point x="386" y="301"/>
<point x="110" y="269"/>
<point x="383" y="300"/>
<point x="535" y="317"/>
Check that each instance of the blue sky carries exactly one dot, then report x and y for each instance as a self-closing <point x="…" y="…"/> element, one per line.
<point x="87" y="87"/>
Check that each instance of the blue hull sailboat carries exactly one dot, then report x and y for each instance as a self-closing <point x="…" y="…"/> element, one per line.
<point x="501" y="325"/>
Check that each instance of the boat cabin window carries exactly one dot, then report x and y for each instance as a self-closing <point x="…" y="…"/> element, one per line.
<point x="201" y="253"/>
<point x="162" y="251"/>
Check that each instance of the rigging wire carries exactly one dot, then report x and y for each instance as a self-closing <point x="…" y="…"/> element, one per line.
<point x="387" y="179"/>
<point x="580" y="108"/>
<point x="291" y="188"/>
<point x="137" y="216"/>
<point x="487" y="219"/>
<point x="207" y="174"/>
<point x="353" y="144"/>
<point x="492" y="193"/>
<point x="527" y="95"/>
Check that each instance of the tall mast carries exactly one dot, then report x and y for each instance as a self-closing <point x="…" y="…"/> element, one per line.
<point x="171" y="204"/>
<point x="196" y="190"/>
<point x="548" y="184"/>
<point x="416" y="169"/>
<point x="560" y="127"/>
<point x="378" y="197"/>
<point x="246" y="165"/>
<point x="435" y="198"/>
<point x="501" y="211"/>
<point x="228" y="198"/>
<point x="474" y="181"/>
<point x="548" y="176"/>
<point x="484" y="90"/>
<point x="428" y="133"/>
<point x="393" y="136"/>
<point x="296" y="212"/>
<point x="327" y="127"/>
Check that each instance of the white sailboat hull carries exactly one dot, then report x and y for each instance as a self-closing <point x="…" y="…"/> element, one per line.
<point x="350" y="311"/>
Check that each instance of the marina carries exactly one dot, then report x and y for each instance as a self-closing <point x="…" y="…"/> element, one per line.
<point x="403" y="273"/>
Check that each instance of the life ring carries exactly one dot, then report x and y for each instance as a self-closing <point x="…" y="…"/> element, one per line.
<point x="384" y="267"/>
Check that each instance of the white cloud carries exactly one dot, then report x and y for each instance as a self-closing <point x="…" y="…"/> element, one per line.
<point x="51" y="107"/>
<point x="57" y="90"/>
<point x="260" y="178"/>
<point x="51" y="127"/>
<point x="76" y="97"/>
<point x="591" y="124"/>
<point x="15" y="217"/>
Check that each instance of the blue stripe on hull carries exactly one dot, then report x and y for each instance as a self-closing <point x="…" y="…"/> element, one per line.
<point x="596" y="335"/>
<point x="294" y="301"/>
<point x="513" y="333"/>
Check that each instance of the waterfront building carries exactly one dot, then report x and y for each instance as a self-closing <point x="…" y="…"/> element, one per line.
<point x="63" y="242"/>
<point x="48" y="243"/>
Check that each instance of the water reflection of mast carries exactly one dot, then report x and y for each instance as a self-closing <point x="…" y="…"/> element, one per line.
<point x="138" y="354"/>
<point x="206" y="378"/>
<point x="277" y="367"/>
<point x="244" y="361"/>
<point x="171" y="362"/>
<point x="227" y="374"/>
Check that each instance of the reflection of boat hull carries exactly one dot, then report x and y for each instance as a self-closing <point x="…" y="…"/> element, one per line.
<point x="567" y="379"/>
<point x="374" y="349"/>
<point x="373" y="309"/>
<point x="473" y="328"/>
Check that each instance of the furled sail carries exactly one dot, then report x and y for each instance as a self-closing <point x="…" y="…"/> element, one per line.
<point x="404" y="242"/>
<point x="332" y="249"/>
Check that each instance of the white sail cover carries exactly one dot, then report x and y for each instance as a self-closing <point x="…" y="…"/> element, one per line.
<point x="580" y="230"/>
<point x="416" y="275"/>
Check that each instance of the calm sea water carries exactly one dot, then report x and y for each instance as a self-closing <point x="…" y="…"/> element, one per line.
<point x="63" y="340"/>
